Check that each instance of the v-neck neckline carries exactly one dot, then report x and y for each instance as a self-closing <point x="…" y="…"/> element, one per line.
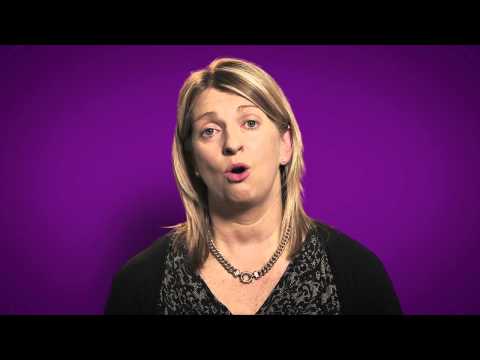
<point x="275" y="289"/>
<point x="279" y="286"/>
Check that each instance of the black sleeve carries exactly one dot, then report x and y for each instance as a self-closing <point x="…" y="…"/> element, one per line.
<point x="378" y="295"/>
<point x="364" y="285"/>
<point x="135" y="287"/>
<point x="122" y="299"/>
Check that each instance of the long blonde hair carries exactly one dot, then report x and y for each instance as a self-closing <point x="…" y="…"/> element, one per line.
<point x="248" y="80"/>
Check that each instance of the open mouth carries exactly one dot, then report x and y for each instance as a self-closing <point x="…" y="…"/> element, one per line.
<point x="239" y="169"/>
<point x="237" y="173"/>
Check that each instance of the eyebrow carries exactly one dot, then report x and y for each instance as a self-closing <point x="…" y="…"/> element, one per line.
<point x="214" y="113"/>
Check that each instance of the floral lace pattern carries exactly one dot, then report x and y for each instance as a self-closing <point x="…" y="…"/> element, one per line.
<point x="307" y="286"/>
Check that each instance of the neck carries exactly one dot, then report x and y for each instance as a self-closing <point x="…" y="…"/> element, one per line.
<point x="241" y="230"/>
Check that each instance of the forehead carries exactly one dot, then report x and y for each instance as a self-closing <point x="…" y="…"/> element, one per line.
<point x="216" y="100"/>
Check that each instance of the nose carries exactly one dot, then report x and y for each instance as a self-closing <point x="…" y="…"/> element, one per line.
<point x="232" y="144"/>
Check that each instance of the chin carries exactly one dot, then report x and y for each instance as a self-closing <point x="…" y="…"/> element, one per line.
<point x="241" y="198"/>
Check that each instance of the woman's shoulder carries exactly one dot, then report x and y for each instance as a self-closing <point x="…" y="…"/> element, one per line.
<point x="150" y="256"/>
<point x="364" y="284"/>
<point x="342" y="246"/>
<point x="134" y="286"/>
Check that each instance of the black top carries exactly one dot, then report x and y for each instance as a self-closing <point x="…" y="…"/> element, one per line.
<point x="331" y="274"/>
<point x="306" y="287"/>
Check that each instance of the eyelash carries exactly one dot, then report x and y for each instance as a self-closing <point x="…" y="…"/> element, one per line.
<point x="251" y="128"/>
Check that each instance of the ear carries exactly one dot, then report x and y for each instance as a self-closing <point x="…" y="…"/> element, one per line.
<point x="286" y="148"/>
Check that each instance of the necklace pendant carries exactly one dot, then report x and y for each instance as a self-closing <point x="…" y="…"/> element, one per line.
<point x="246" y="277"/>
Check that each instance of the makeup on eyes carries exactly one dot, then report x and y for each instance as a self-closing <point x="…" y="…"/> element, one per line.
<point x="222" y="125"/>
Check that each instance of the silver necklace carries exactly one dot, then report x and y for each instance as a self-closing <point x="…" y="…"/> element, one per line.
<point x="246" y="277"/>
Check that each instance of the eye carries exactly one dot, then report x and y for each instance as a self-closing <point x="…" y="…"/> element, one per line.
<point x="208" y="131"/>
<point x="250" y="122"/>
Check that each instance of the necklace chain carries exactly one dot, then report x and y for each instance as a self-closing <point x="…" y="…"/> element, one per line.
<point x="246" y="277"/>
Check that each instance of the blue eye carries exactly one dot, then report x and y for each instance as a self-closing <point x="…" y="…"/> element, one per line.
<point x="250" y="122"/>
<point x="210" y="133"/>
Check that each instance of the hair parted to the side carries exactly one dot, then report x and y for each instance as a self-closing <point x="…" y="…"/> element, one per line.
<point x="248" y="80"/>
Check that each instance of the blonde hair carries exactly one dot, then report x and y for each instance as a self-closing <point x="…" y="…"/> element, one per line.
<point x="249" y="81"/>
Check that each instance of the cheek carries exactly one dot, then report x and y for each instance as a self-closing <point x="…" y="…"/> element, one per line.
<point x="200" y="155"/>
<point x="205" y="159"/>
<point x="266" y="161"/>
<point x="266" y="150"/>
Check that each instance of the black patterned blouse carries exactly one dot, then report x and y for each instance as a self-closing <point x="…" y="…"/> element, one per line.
<point x="306" y="287"/>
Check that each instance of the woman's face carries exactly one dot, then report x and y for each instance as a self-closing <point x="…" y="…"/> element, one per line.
<point x="229" y="129"/>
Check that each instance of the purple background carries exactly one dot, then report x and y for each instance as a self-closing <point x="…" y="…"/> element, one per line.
<point x="391" y="149"/>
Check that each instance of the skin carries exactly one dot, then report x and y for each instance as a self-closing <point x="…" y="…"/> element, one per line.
<point x="246" y="216"/>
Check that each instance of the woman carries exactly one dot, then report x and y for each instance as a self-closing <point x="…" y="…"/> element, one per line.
<point x="247" y="246"/>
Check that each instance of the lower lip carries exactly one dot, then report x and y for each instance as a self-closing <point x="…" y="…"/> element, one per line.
<point x="232" y="177"/>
